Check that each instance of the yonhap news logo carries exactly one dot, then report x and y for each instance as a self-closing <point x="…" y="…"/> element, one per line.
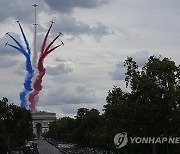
<point x="121" y="140"/>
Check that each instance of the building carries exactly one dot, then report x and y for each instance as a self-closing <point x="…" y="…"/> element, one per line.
<point x="41" y="120"/>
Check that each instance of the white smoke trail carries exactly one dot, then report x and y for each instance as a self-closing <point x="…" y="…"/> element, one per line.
<point x="34" y="58"/>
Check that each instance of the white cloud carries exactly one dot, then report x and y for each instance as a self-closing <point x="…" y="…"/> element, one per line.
<point x="59" y="69"/>
<point x="70" y="26"/>
<point x="10" y="92"/>
<point x="71" y="93"/>
<point x="119" y="72"/>
<point x="140" y="57"/>
<point x="5" y="63"/>
<point x="65" y="6"/>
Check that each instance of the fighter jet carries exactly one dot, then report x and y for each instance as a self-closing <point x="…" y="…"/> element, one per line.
<point x="6" y="43"/>
<point x="17" y="21"/>
<point x="60" y="33"/>
<point x="52" y="22"/>
<point x="34" y="5"/>
<point x="7" y="33"/>
<point x="62" y="43"/>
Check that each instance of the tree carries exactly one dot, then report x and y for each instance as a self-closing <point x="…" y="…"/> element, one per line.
<point x="89" y="126"/>
<point x="3" y="132"/>
<point x="62" y="129"/>
<point x="80" y="115"/>
<point x="21" y="120"/>
<point x="151" y="107"/>
<point x="155" y="89"/>
<point x="15" y="125"/>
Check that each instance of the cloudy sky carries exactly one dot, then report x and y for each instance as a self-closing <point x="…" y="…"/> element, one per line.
<point x="98" y="37"/>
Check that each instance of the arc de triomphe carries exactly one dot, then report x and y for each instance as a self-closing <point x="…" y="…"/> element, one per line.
<point x="41" y="120"/>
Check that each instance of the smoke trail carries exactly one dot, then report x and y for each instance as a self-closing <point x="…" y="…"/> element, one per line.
<point x="34" y="60"/>
<point x="29" y="69"/>
<point x="25" y="40"/>
<point x="45" y="39"/>
<point x="33" y="96"/>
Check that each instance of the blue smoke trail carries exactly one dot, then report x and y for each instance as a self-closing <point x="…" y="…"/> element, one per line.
<point x="30" y="70"/>
<point x="25" y="40"/>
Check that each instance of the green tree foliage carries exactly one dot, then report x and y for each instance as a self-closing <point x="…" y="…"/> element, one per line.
<point x="152" y="106"/>
<point x="86" y="133"/>
<point x="156" y="93"/>
<point x="84" y="129"/>
<point x="15" y="125"/>
<point x="117" y="114"/>
<point x="80" y="115"/>
<point x="62" y="129"/>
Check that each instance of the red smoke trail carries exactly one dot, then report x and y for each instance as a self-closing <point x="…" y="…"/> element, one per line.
<point x="45" y="39"/>
<point x="33" y="96"/>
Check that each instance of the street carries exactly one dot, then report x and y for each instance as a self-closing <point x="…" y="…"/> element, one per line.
<point x="45" y="148"/>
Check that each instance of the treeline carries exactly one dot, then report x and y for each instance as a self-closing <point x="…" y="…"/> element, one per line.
<point x="84" y="129"/>
<point x="15" y="126"/>
<point x="150" y="109"/>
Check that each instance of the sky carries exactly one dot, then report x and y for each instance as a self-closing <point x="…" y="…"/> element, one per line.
<point x="98" y="36"/>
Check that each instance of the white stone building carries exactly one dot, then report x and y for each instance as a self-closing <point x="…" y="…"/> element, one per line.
<point x="41" y="122"/>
